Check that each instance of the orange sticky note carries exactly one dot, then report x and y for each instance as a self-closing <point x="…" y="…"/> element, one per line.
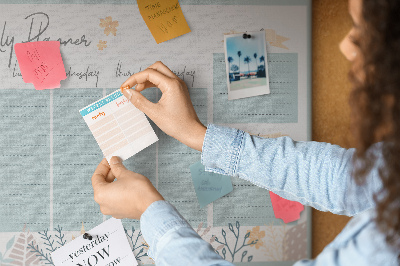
<point x="164" y="18"/>
<point x="41" y="63"/>
<point x="284" y="209"/>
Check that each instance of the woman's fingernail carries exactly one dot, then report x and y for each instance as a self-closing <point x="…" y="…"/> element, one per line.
<point x="124" y="88"/>
<point x="129" y="92"/>
<point x="115" y="160"/>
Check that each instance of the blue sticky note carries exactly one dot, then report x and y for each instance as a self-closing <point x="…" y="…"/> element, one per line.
<point x="209" y="186"/>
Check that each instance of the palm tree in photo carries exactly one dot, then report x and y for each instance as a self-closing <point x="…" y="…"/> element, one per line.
<point x="247" y="60"/>
<point x="255" y="60"/>
<point x="230" y="60"/>
<point x="239" y="55"/>
<point x="262" y="59"/>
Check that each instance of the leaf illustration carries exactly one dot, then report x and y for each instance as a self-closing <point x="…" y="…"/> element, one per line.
<point x="223" y="232"/>
<point x="8" y="260"/>
<point x="199" y="227"/>
<point x="20" y="253"/>
<point x="10" y="243"/>
<point x="82" y="229"/>
<point x="219" y="247"/>
<point x="1" y="256"/>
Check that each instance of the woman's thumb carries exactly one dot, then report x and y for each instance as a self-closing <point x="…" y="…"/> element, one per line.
<point x="117" y="167"/>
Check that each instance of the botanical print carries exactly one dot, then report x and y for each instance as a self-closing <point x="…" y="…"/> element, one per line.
<point x="139" y="249"/>
<point x="20" y="251"/>
<point x="256" y="237"/>
<point x="109" y="26"/>
<point x="274" y="245"/>
<point x="275" y="39"/>
<point x="102" y="44"/>
<point x="234" y="248"/>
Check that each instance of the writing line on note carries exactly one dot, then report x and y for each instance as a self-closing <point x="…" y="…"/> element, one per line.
<point x="287" y="210"/>
<point x="41" y="63"/>
<point x="164" y="18"/>
<point x="119" y="128"/>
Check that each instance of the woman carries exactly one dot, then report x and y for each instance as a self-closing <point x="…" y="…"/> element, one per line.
<point x="362" y="182"/>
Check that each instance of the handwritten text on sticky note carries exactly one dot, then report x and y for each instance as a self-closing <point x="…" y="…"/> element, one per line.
<point x="287" y="210"/>
<point x="164" y="18"/>
<point x="108" y="246"/>
<point x="41" y="63"/>
<point x="209" y="186"/>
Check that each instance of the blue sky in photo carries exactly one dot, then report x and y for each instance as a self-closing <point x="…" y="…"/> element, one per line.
<point x="256" y="44"/>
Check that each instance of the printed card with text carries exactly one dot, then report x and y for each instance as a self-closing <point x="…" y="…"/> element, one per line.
<point x="108" y="246"/>
<point x="118" y="126"/>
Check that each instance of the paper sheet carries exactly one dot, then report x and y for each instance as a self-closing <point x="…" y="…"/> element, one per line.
<point x="164" y="18"/>
<point x="109" y="246"/>
<point x="209" y="186"/>
<point x="287" y="210"/>
<point x="41" y="63"/>
<point x="119" y="128"/>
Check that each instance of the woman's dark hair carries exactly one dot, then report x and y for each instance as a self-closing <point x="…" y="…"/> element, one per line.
<point x="375" y="103"/>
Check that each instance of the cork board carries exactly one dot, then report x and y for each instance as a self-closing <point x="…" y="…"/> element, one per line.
<point x="330" y="108"/>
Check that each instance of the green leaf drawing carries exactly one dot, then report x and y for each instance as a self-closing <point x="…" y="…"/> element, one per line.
<point x="10" y="243"/>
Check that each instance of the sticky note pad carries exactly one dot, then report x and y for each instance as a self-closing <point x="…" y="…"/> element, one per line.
<point x="118" y="126"/>
<point x="108" y="246"/>
<point x="209" y="186"/>
<point x="41" y="63"/>
<point x="287" y="210"/>
<point x="164" y="18"/>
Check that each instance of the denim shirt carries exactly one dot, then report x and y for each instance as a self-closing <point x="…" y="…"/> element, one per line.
<point x="312" y="173"/>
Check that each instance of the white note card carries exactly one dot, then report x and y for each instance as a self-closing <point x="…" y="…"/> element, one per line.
<point x="118" y="126"/>
<point x="109" y="246"/>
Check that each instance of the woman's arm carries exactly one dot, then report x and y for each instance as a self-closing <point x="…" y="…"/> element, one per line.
<point x="172" y="240"/>
<point x="312" y="173"/>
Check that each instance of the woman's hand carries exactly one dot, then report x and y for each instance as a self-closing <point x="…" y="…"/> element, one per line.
<point x="127" y="197"/>
<point x="174" y="113"/>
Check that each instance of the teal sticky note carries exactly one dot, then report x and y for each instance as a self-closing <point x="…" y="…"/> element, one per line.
<point x="209" y="186"/>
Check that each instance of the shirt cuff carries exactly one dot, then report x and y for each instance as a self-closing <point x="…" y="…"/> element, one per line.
<point x="222" y="148"/>
<point x="157" y="220"/>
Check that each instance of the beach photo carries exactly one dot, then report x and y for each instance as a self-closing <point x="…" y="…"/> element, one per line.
<point x="246" y="65"/>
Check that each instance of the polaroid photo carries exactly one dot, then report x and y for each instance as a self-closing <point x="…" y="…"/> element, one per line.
<point x="246" y="65"/>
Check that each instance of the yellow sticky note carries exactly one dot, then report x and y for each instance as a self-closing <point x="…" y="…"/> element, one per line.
<point x="164" y="18"/>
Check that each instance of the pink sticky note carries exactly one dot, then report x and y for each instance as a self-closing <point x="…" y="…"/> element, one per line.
<point x="41" y="63"/>
<point x="284" y="209"/>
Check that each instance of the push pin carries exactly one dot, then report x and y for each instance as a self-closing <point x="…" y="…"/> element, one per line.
<point x="246" y="36"/>
<point x="87" y="236"/>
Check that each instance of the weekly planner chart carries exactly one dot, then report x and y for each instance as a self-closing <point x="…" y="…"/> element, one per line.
<point x="52" y="139"/>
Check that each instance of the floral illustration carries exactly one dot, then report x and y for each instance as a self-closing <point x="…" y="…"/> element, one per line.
<point x="275" y="40"/>
<point x="256" y="237"/>
<point x="19" y="251"/>
<point x="3" y="258"/>
<point x="51" y="242"/>
<point x="143" y="247"/>
<point x="102" y="44"/>
<point x="274" y="246"/>
<point x="212" y="239"/>
<point x="234" y="249"/>
<point x="109" y="26"/>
